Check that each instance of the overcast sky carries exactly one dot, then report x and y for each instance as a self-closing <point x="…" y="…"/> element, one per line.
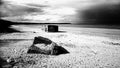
<point x="68" y="11"/>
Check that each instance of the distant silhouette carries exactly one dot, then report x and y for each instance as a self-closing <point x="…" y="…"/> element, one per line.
<point x="5" y="26"/>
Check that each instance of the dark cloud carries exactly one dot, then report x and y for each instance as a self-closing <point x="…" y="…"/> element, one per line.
<point x="102" y="14"/>
<point x="0" y="2"/>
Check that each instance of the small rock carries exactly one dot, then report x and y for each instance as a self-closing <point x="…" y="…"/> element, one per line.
<point x="4" y="64"/>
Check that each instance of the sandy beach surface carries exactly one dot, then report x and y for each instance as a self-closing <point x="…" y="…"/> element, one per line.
<point x="88" y="47"/>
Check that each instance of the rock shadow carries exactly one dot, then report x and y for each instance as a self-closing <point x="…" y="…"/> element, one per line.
<point x="58" y="32"/>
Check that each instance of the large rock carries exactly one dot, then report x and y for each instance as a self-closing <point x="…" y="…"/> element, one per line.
<point x="40" y="40"/>
<point x="57" y="50"/>
<point x="43" y="47"/>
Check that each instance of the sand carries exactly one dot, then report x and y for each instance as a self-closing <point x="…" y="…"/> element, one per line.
<point x="86" y="50"/>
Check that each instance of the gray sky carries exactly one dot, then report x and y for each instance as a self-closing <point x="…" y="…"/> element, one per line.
<point x="48" y="10"/>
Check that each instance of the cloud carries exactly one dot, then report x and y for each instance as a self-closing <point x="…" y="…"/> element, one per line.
<point x="107" y="14"/>
<point x="73" y="11"/>
<point x="14" y="9"/>
<point x="61" y="11"/>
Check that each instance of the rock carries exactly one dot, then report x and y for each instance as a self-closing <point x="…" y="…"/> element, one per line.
<point x="52" y="28"/>
<point x="45" y="47"/>
<point x="41" y="49"/>
<point x="4" y="63"/>
<point x="57" y="50"/>
<point x="40" y="40"/>
<point x="36" y="50"/>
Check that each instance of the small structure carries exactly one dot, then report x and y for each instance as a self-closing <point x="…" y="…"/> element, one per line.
<point x="51" y="28"/>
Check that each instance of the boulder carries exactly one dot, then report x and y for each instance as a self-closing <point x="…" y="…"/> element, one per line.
<point x="57" y="50"/>
<point x="40" y="40"/>
<point x="43" y="47"/>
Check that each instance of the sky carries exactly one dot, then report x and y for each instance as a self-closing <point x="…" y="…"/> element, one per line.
<point x="56" y="11"/>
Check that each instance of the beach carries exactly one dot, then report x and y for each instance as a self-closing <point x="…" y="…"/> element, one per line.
<point x="88" y="47"/>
